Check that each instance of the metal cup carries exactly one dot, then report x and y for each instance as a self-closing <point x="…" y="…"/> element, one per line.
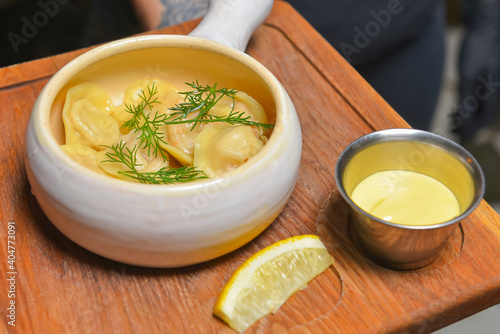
<point x="399" y="246"/>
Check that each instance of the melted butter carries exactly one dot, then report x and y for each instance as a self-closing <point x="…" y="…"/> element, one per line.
<point x="405" y="197"/>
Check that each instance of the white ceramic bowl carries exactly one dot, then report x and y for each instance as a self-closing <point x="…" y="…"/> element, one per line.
<point x="162" y="225"/>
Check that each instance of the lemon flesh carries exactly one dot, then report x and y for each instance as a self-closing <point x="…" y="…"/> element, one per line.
<point x="268" y="278"/>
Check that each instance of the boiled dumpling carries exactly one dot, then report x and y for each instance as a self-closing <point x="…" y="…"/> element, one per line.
<point x="222" y="149"/>
<point x="179" y="155"/>
<point x="167" y="96"/>
<point x="144" y="162"/>
<point x="182" y="136"/>
<point x="94" y="128"/>
<point x="86" y="117"/>
<point x="249" y="105"/>
<point x="242" y="103"/>
<point x="84" y="155"/>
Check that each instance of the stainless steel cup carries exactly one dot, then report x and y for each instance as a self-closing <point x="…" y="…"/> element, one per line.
<point x="399" y="246"/>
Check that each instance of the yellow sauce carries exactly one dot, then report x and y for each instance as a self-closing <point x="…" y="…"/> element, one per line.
<point x="405" y="197"/>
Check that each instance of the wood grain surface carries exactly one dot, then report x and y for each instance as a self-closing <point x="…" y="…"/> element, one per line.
<point x="62" y="288"/>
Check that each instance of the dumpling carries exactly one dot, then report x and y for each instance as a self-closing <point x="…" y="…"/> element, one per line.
<point x="143" y="162"/>
<point x="84" y="155"/>
<point x="95" y="128"/>
<point x="179" y="155"/>
<point x="242" y="103"/>
<point x="222" y="149"/>
<point x="248" y="104"/>
<point x="167" y="96"/>
<point x="181" y="137"/>
<point x="86" y="117"/>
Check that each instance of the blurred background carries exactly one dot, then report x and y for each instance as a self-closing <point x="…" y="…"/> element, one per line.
<point x="485" y="146"/>
<point x="32" y="29"/>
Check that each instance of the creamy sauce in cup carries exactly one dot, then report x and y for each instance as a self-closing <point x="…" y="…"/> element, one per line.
<point x="406" y="197"/>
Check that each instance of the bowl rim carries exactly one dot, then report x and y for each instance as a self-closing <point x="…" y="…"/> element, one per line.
<point x="403" y="134"/>
<point x="42" y="110"/>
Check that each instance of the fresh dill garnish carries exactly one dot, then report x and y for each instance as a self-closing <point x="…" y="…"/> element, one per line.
<point x="147" y="122"/>
<point x="201" y="99"/>
<point x="122" y="154"/>
<point x="233" y="118"/>
<point x="150" y="137"/>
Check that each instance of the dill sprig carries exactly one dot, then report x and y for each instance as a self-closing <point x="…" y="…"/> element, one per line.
<point x="150" y="137"/>
<point x="233" y="118"/>
<point x="200" y="100"/>
<point x="147" y="121"/>
<point x="122" y="154"/>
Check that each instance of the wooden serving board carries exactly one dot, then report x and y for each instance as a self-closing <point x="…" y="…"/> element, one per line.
<point x="62" y="288"/>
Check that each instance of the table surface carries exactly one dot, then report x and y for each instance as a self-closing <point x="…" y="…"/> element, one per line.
<point x="62" y="288"/>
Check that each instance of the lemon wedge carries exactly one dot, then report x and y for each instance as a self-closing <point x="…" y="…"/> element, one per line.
<point x="268" y="278"/>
